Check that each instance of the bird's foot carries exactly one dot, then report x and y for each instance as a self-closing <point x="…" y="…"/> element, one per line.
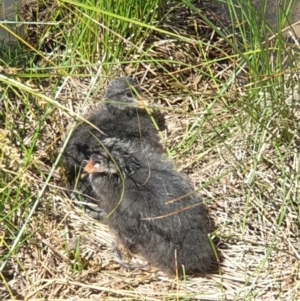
<point x="118" y="259"/>
<point x="90" y="208"/>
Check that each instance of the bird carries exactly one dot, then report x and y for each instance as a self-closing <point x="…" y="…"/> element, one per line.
<point x="122" y="116"/>
<point x="150" y="207"/>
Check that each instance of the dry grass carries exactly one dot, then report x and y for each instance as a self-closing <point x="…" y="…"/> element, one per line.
<point x="248" y="182"/>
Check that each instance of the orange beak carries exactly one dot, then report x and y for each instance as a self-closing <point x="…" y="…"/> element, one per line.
<point x="89" y="168"/>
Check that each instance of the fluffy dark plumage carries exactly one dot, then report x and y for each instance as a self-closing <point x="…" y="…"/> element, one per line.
<point x="134" y="187"/>
<point x="120" y="117"/>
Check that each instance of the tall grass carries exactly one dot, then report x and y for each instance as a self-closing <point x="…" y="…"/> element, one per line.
<point x="108" y="31"/>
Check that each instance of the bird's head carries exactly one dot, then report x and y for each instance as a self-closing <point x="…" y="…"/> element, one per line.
<point x="123" y="95"/>
<point x="113" y="159"/>
<point x="101" y="163"/>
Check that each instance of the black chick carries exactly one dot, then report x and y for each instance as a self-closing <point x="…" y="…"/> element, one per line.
<point x="124" y="117"/>
<point x="135" y="187"/>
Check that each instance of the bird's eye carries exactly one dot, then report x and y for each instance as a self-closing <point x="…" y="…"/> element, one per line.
<point x="128" y="94"/>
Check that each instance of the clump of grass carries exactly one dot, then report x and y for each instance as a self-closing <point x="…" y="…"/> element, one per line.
<point x="91" y="31"/>
<point x="104" y="29"/>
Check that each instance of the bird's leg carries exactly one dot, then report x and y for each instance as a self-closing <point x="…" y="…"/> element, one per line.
<point x="97" y="214"/>
<point x="118" y="259"/>
<point x="92" y="209"/>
